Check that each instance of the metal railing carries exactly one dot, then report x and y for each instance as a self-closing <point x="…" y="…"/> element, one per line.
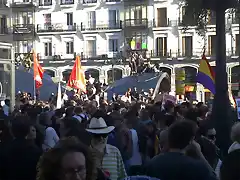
<point x="24" y="3"/>
<point x="113" y="0"/>
<point x="23" y="28"/>
<point x="101" y="25"/>
<point x="136" y="22"/>
<point x="89" y="1"/>
<point x="45" y="3"/>
<point x="58" y="27"/>
<point x="96" y="55"/>
<point x="66" y="2"/>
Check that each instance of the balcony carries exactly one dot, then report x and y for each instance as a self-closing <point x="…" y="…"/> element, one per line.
<point x="113" y="1"/>
<point x="89" y="2"/>
<point x="134" y="2"/>
<point x="136" y="23"/>
<point x="44" y="28"/>
<point x="23" y="29"/>
<point x="24" y="4"/>
<point x="66" y="2"/>
<point x="93" y="55"/>
<point x="98" y="26"/>
<point x="45" y="3"/>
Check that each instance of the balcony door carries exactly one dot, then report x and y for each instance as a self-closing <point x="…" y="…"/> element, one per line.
<point x="27" y="18"/>
<point x="91" y="48"/>
<point x="47" y="21"/>
<point x="70" y="21"/>
<point x="162" y="17"/>
<point x="92" y="19"/>
<point x="161" y="47"/>
<point x="113" y="18"/>
<point x="187" y="46"/>
<point x="212" y="45"/>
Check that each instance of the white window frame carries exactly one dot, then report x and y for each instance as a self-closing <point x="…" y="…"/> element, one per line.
<point x="113" y="46"/>
<point x="69" y="47"/>
<point x="49" y="51"/>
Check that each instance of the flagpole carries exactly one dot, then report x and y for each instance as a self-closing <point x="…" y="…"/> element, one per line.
<point x="34" y="90"/>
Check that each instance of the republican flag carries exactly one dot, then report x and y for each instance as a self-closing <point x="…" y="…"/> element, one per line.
<point x="38" y="71"/>
<point x="205" y="75"/>
<point x="77" y="78"/>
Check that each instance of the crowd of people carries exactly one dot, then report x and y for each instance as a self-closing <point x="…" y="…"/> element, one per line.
<point x="113" y="140"/>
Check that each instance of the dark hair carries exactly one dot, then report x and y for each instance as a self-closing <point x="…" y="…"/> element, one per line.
<point x="20" y="126"/>
<point x="49" y="164"/>
<point x="231" y="166"/>
<point x="78" y="110"/>
<point x="181" y="133"/>
<point x="43" y="119"/>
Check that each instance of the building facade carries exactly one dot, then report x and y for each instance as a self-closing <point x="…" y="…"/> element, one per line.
<point x="105" y="32"/>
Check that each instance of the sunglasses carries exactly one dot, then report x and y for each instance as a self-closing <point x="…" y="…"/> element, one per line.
<point x="211" y="136"/>
<point x="100" y="135"/>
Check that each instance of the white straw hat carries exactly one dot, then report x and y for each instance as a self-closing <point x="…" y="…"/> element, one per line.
<point x="99" y="126"/>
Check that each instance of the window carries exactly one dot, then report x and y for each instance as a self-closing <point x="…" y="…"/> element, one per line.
<point x="47" y="18"/>
<point x="161" y="47"/>
<point x="237" y="44"/>
<point x="91" y="48"/>
<point x="212" y="45"/>
<point x="69" y="47"/>
<point x="162" y="17"/>
<point x="113" y="18"/>
<point x="187" y="46"/>
<point x="3" y="25"/>
<point x="92" y="19"/>
<point x="138" y="41"/>
<point x="211" y="18"/>
<point x="69" y="19"/>
<point x="48" y="49"/>
<point x="113" y="45"/>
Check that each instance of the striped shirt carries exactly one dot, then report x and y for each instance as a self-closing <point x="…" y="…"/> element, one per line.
<point x="113" y="163"/>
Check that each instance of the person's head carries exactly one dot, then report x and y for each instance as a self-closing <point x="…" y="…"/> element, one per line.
<point x="20" y="126"/>
<point x="117" y="118"/>
<point x="78" y="110"/>
<point x="68" y="160"/>
<point x="32" y="133"/>
<point x="45" y="119"/>
<point x="7" y="102"/>
<point x="70" y="111"/>
<point x="99" y="131"/>
<point x="230" y="167"/>
<point x="235" y="133"/>
<point x="169" y="107"/>
<point x="163" y="141"/>
<point x="67" y="124"/>
<point x="181" y="134"/>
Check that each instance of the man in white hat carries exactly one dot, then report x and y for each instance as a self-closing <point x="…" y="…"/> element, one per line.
<point x="106" y="157"/>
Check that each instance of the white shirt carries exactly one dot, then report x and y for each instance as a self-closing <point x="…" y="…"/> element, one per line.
<point x="51" y="139"/>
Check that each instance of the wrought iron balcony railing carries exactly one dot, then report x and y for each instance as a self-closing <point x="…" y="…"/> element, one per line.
<point x="23" y="3"/>
<point x="66" y="2"/>
<point x="95" y="55"/>
<point x="45" y="3"/>
<point x="91" y="26"/>
<point x="113" y="0"/>
<point x="23" y="28"/>
<point x="58" y="27"/>
<point x="136" y="22"/>
<point x="89" y="1"/>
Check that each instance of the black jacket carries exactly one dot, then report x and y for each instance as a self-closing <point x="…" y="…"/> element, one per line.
<point x="18" y="160"/>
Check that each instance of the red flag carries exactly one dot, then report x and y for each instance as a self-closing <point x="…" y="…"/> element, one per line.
<point x="38" y="71"/>
<point x="77" y="78"/>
